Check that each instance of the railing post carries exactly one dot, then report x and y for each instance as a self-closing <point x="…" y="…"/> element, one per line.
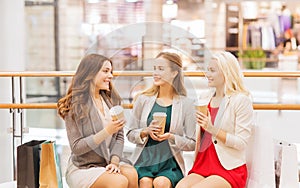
<point x="13" y="111"/>
<point x="21" y="110"/>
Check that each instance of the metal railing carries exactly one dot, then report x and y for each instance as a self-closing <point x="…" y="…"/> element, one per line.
<point x="21" y="105"/>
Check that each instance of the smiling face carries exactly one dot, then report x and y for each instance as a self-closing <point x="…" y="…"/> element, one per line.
<point x="103" y="77"/>
<point x="214" y="75"/>
<point x="162" y="72"/>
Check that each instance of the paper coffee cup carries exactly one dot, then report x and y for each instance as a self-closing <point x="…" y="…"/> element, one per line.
<point x="161" y="118"/>
<point x="201" y="106"/>
<point x="116" y="112"/>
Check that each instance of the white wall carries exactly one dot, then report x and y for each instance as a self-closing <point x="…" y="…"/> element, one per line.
<point x="12" y="59"/>
<point x="284" y="124"/>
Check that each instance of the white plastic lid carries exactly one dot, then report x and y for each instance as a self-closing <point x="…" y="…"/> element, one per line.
<point x="115" y="110"/>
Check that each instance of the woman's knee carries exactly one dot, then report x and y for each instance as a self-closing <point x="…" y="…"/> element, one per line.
<point x="121" y="182"/>
<point x="181" y="184"/>
<point x="111" y="180"/>
<point x="189" y="180"/>
<point x="146" y="182"/>
<point x="161" y="182"/>
<point x="131" y="174"/>
<point x="129" y="171"/>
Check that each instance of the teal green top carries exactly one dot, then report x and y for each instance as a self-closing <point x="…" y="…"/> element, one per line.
<point x="156" y="158"/>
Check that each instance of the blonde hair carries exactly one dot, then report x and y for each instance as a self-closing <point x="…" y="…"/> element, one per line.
<point x="231" y="70"/>
<point x="178" y="82"/>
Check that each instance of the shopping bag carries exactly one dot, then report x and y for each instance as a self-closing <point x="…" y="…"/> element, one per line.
<point x="286" y="165"/>
<point x="28" y="164"/>
<point x="50" y="172"/>
<point x="260" y="158"/>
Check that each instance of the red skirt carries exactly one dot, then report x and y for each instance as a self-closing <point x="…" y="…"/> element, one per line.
<point x="207" y="163"/>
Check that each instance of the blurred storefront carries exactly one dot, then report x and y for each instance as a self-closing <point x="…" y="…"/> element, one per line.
<point x="57" y="33"/>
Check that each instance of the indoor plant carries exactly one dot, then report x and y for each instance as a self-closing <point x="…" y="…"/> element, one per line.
<point x="253" y="58"/>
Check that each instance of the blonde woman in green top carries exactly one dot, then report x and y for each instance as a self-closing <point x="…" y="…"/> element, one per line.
<point x="158" y="158"/>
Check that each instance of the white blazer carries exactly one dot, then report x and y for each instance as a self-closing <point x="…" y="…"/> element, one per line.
<point x="235" y="117"/>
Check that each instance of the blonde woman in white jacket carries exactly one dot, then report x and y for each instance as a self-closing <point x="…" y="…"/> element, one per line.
<point x="221" y="155"/>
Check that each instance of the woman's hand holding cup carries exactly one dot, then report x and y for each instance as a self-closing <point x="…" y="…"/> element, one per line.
<point x="115" y="126"/>
<point x="205" y="122"/>
<point x="118" y="120"/>
<point x="153" y="129"/>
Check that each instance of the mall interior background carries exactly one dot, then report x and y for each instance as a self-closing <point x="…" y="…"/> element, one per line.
<point x="54" y="35"/>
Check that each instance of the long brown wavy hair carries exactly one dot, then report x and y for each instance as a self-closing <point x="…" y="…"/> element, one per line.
<point x="178" y="82"/>
<point x="76" y="99"/>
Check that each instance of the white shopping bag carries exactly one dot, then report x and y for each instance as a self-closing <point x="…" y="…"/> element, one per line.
<point x="260" y="158"/>
<point x="286" y="165"/>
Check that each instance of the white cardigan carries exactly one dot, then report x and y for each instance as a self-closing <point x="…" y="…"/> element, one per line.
<point x="183" y="126"/>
